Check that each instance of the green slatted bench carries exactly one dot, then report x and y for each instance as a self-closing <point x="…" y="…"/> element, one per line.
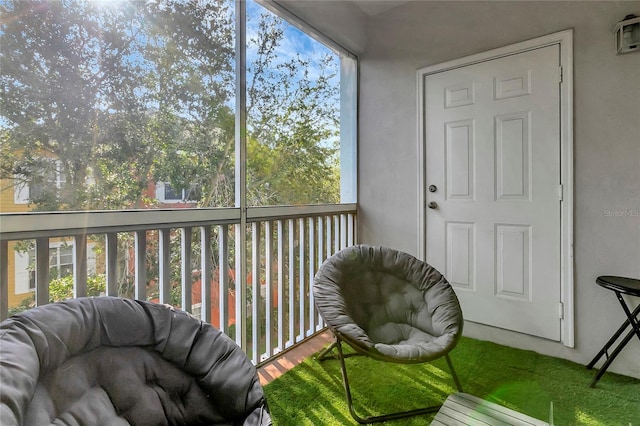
<point x="463" y="409"/>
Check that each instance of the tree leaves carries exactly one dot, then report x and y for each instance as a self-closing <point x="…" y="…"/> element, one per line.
<point x="129" y="93"/>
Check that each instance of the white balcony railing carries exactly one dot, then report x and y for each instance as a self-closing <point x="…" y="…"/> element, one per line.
<point x="249" y="275"/>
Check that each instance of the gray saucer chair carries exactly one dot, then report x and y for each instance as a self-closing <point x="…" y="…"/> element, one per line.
<point x="112" y="361"/>
<point x="389" y="306"/>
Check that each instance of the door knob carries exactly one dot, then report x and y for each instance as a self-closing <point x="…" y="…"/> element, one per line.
<point x="432" y="205"/>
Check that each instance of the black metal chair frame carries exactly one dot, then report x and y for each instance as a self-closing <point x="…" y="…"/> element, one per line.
<point x="617" y="285"/>
<point x="337" y="344"/>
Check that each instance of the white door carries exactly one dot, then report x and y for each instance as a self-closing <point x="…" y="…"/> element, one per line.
<point x="492" y="148"/>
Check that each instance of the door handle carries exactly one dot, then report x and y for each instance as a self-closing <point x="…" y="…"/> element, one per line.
<point x="432" y="205"/>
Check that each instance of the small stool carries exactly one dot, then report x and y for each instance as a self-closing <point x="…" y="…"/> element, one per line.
<point x="620" y="286"/>
<point x="462" y="409"/>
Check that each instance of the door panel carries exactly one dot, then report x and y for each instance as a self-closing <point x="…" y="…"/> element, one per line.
<point x="492" y="144"/>
<point x="459" y="160"/>
<point x="460" y="252"/>
<point x="513" y="164"/>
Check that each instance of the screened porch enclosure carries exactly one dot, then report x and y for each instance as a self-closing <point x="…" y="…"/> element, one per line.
<point x="195" y="153"/>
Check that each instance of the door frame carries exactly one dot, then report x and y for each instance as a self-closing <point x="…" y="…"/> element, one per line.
<point x="565" y="40"/>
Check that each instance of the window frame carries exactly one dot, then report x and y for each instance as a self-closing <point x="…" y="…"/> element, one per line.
<point x="161" y="194"/>
<point x="24" y="189"/>
<point x="24" y="274"/>
<point x="349" y="98"/>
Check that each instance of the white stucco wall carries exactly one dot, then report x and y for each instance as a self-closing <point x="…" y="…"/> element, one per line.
<point x="606" y="137"/>
<point x="606" y="141"/>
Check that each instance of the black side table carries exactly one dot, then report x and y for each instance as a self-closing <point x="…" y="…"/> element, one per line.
<point x="620" y="286"/>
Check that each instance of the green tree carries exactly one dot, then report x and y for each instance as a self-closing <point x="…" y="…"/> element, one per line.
<point x="293" y="122"/>
<point x="113" y="92"/>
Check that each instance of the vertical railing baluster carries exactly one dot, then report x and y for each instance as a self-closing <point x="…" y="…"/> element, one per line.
<point x="329" y="233"/>
<point x="4" y="279"/>
<point x="164" y="267"/>
<point x="321" y="258"/>
<point x="140" y="265"/>
<point x="241" y="288"/>
<point x="343" y="231"/>
<point x="111" y="259"/>
<point x="223" y="277"/>
<point x="336" y="235"/>
<point x="292" y="282"/>
<point x="255" y="290"/>
<point x="80" y="265"/>
<point x="321" y="240"/>
<point x="351" y="233"/>
<point x="355" y="229"/>
<point x="301" y="277"/>
<point x="42" y="271"/>
<point x="205" y="273"/>
<point x="268" y="273"/>
<point x="186" y="272"/>
<point x="311" y="272"/>
<point x="280" y="285"/>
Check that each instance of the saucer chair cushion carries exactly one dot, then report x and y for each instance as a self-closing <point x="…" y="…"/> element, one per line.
<point x="388" y="304"/>
<point x="113" y="361"/>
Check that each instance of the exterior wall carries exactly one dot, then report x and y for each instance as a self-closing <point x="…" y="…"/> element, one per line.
<point x="7" y="205"/>
<point x="606" y="142"/>
<point x="7" y="201"/>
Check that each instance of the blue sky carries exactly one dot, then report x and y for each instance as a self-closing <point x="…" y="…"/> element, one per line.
<point x="294" y="42"/>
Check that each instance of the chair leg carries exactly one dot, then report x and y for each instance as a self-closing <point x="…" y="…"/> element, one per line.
<point x="375" y="419"/>
<point x="453" y="373"/>
<point x="324" y="354"/>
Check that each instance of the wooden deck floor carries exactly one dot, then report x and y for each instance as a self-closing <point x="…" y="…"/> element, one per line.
<point x="293" y="357"/>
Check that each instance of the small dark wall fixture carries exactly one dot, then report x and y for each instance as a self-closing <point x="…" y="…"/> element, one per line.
<point x="627" y="34"/>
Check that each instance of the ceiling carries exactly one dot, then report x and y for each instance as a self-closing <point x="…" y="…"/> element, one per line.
<point x="374" y="7"/>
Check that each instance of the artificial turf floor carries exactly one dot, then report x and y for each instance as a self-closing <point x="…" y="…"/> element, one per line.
<point x="312" y="392"/>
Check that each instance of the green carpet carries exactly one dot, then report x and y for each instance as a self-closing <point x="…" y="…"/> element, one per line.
<point x="312" y="393"/>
